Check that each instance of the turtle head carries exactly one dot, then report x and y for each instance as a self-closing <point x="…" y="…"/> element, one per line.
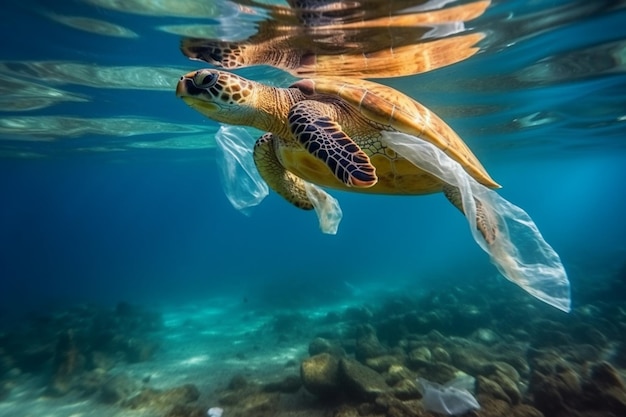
<point x="219" y="95"/>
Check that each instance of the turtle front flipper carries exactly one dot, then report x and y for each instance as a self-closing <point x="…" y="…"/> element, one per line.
<point x="285" y="183"/>
<point x="324" y="139"/>
<point x="484" y="222"/>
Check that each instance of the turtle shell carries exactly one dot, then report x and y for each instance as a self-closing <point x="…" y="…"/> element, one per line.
<point x="389" y="107"/>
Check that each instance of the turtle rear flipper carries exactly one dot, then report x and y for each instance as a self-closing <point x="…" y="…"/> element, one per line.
<point x="484" y="222"/>
<point x="324" y="139"/>
<point x="286" y="184"/>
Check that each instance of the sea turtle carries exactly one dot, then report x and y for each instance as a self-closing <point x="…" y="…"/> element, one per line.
<point x="327" y="131"/>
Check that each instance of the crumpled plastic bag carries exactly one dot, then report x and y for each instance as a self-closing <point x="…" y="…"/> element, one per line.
<point x="245" y="188"/>
<point x="240" y="179"/>
<point x="519" y="252"/>
<point x="326" y="207"/>
<point x="215" y="412"/>
<point x="452" y="398"/>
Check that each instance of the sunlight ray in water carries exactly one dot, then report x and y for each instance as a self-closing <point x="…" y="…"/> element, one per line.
<point x="97" y="26"/>
<point x="200" y="141"/>
<point x="218" y="31"/>
<point x="17" y="94"/>
<point x="169" y="8"/>
<point x="195" y="360"/>
<point x="91" y="75"/>
<point x="46" y="128"/>
<point x="603" y="59"/>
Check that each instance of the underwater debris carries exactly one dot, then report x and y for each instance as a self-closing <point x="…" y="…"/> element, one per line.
<point x="453" y="398"/>
<point x="245" y="188"/>
<point x="240" y="179"/>
<point x="215" y="412"/>
<point x="518" y="251"/>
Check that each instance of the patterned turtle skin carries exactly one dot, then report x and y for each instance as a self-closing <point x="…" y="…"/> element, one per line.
<point x="328" y="131"/>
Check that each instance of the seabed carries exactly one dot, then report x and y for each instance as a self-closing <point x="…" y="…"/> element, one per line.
<point x="357" y="355"/>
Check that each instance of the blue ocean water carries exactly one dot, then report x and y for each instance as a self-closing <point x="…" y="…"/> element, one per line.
<point x="93" y="208"/>
<point x="109" y="186"/>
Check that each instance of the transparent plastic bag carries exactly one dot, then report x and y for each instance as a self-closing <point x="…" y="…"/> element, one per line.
<point x="215" y="412"/>
<point x="240" y="179"/>
<point x="453" y="398"/>
<point x="245" y="188"/>
<point x="519" y="252"/>
<point x="326" y="207"/>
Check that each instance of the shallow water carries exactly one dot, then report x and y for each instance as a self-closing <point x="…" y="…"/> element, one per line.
<point x="109" y="186"/>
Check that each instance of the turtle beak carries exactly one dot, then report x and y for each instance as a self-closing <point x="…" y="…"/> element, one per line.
<point x="180" y="87"/>
<point x="186" y="86"/>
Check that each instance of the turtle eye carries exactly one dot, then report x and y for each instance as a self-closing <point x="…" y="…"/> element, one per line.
<point x="205" y="79"/>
